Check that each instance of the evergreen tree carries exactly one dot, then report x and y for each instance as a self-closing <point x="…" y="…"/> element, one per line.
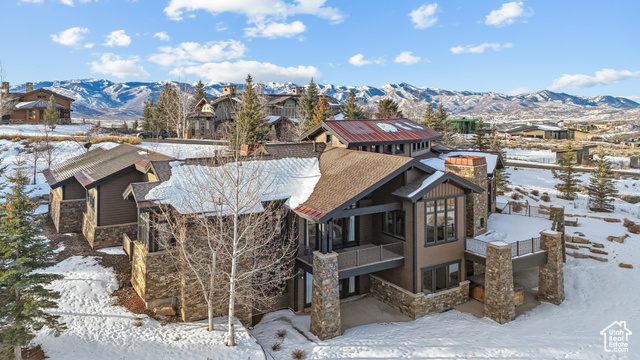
<point x="388" y="109"/>
<point x="164" y="106"/>
<point x="601" y="188"/>
<point x="51" y="113"/>
<point x="23" y="295"/>
<point x="444" y="125"/>
<point x="150" y="116"/>
<point x="135" y="125"/>
<point x="429" y="119"/>
<point x="502" y="177"/>
<point x="351" y="110"/>
<point x="307" y="105"/>
<point x="480" y="138"/>
<point x="251" y="125"/>
<point x="568" y="185"/>
<point x="198" y="95"/>
<point x="322" y="112"/>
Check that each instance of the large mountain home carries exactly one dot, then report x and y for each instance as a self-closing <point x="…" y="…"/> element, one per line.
<point x="376" y="209"/>
<point x="209" y="121"/>
<point x="29" y="107"/>
<point x="86" y="192"/>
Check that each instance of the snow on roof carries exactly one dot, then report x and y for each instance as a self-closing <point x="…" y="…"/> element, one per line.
<point x="338" y="117"/>
<point x="387" y="127"/>
<point x="438" y="163"/>
<point x="549" y="128"/>
<point x="273" y="118"/>
<point x="199" y="189"/>
<point x="428" y="181"/>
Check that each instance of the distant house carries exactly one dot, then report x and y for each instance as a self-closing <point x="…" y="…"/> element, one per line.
<point x="539" y="132"/>
<point x="577" y="134"/>
<point x="465" y="126"/>
<point x="580" y="155"/>
<point x="29" y="107"/>
<point x="201" y="124"/>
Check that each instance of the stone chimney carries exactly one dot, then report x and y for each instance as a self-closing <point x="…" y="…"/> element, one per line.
<point x="229" y="89"/>
<point x="473" y="169"/>
<point x="297" y="90"/>
<point x="28" y="87"/>
<point x="5" y="87"/>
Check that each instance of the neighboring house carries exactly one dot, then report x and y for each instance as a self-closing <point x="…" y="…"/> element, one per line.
<point x="577" y="134"/>
<point x="466" y="126"/>
<point x="539" y="132"/>
<point x="97" y="180"/>
<point x="29" y="107"/>
<point x="201" y="124"/>
<point x="580" y="155"/>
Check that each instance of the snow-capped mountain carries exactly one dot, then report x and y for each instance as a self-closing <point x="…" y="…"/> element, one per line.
<point x="104" y="99"/>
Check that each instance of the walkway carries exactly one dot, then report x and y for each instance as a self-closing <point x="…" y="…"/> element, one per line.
<point x="368" y="310"/>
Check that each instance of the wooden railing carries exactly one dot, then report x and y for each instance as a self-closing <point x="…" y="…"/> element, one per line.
<point x="369" y="255"/>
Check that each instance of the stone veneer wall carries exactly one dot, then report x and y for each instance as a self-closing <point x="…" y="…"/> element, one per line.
<point x="551" y="276"/>
<point x="67" y="215"/>
<point x="417" y="305"/>
<point x="325" y="296"/>
<point x="556" y="215"/>
<point x="477" y="207"/>
<point x="152" y="275"/>
<point x="498" y="283"/>
<point x="105" y="236"/>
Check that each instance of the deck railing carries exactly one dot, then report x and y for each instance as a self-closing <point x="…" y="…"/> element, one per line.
<point x="369" y="255"/>
<point x="518" y="248"/>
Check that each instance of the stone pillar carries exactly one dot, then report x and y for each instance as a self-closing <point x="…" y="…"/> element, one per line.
<point x="556" y="215"/>
<point x="478" y="268"/>
<point x="474" y="169"/>
<point x="498" y="283"/>
<point x="325" y="296"/>
<point x="551" y="282"/>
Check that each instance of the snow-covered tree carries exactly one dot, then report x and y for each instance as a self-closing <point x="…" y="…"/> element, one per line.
<point x="568" y="185"/>
<point x="601" y="188"/>
<point x="23" y="250"/>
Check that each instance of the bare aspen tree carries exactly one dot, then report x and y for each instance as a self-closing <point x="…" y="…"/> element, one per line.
<point x="6" y="103"/>
<point x="178" y="109"/>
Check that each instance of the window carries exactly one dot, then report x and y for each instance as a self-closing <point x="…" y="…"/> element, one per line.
<point x="344" y="232"/>
<point x="289" y="110"/>
<point x="393" y="223"/>
<point x="440" y="221"/>
<point x="440" y="277"/>
<point x="327" y="139"/>
<point x="143" y="229"/>
<point x="310" y="235"/>
<point x="91" y="200"/>
<point x="374" y="148"/>
<point x="388" y="149"/>
<point x="399" y="149"/>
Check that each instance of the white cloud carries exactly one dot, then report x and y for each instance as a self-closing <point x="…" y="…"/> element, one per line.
<point x="33" y="1"/>
<point x="115" y="65"/>
<point x="162" y="35"/>
<point x="601" y="77"/>
<point x="117" y="38"/>
<point x="255" y="9"/>
<point x="221" y="26"/>
<point x="470" y="49"/>
<point x="70" y="2"/>
<point x="88" y="46"/>
<point x="190" y="53"/>
<point x="518" y="91"/>
<point x="507" y="14"/>
<point x="407" y="57"/>
<point x="424" y="16"/>
<point x="274" y="29"/>
<point x="237" y="71"/>
<point x="70" y="37"/>
<point x="359" y="60"/>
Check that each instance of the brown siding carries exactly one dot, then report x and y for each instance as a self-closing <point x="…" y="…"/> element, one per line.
<point x="73" y="190"/>
<point x="444" y="190"/>
<point x="334" y="140"/>
<point x="59" y="100"/>
<point x="113" y="208"/>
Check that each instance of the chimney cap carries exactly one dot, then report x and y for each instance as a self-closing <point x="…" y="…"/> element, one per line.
<point x="465" y="160"/>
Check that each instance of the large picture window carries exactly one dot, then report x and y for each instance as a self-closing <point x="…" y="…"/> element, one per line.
<point x="393" y="223"/>
<point x="311" y="235"/>
<point x="440" y="221"/>
<point x="440" y="277"/>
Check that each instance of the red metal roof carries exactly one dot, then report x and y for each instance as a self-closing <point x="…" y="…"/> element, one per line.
<point x="380" y="131"/>
<point x="312" y="213"/>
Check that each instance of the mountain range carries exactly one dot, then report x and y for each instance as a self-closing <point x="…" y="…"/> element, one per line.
<point x="104" y="99"/>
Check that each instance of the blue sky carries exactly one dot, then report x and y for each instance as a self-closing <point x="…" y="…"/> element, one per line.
<point x="579" y="47"/>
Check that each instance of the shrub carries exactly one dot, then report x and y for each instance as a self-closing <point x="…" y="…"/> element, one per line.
<point x="138" y="323"/>
<point x="134" y="140"/>
<point x="276" y="346"/>
<point x="515" y="196"/>
<point x="627" y="223"/>
<point x="298" y="354"/>
<point x="16" y="138"/>
<point x="634" y="229"/>
<point x="282" y="333"/>
<point x="79" y="133"/>
<point x="516" y="206"/>
<point x="631" y="199"/>
<point x="545" y="198"/>
<point x="535" y="192"/>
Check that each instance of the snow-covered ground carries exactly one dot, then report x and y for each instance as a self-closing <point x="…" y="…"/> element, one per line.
<point x="549" y="157"/>
<point x="98" y="329"/>
<point x="38" y="130"/>
<point x="183" y="151"/>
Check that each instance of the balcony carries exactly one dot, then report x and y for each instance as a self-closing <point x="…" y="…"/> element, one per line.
<point x="360" y="260"/>
<point x="525" y="253"/>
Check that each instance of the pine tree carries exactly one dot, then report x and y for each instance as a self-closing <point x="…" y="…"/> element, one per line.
<point x="351" y="110"/>
<point x="51" y="113"/>
<point x="601" y="188"/>
<point x="444" y="124"/>
<point x="150" y="116"/>
<point x="502" y="177"/>
<point x="388" y="109"/>
<point x="429" y="119"/>
<point x="23" y="295"/>
<point x="307" y="105"/>
<point x="568" y="185"/>
<point x="198" y="95"/>
<point x="322" y="112"/>
<point x="135" y="125"/>
<point x="250" y="119"/>
<point x="165" y="105"/>
<point x="480" y="138"/>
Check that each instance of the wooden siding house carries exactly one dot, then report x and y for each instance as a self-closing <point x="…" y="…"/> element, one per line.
<point x="29" y="107"/>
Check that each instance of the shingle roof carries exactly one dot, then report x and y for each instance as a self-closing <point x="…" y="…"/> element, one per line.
<point x="297" y="150"/>
<point x="345" y="175"/>
<point x="427" y="182"/>
<point x="141" y="189"/>
<point x="95" y="165"/>
<point x="378" y="131"/>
